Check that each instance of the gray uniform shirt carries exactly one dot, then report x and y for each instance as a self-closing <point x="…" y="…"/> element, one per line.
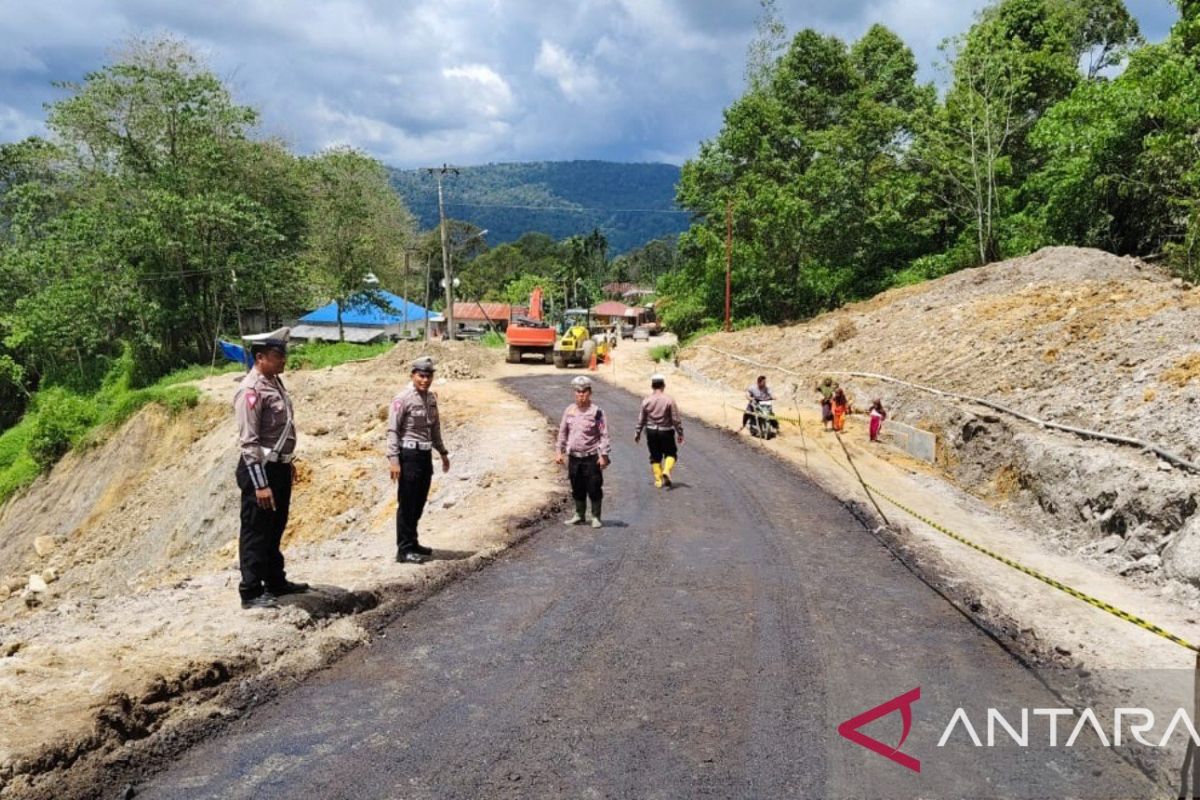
<point x="659" y="411"/>
<point x="583" y="433"/>
<point x="263" y="411"/>
<point x="414" y="417"/>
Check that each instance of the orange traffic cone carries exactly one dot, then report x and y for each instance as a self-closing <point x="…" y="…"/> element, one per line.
<point x="592" y="362"/>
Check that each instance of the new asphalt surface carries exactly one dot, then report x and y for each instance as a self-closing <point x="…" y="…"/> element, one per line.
<point x="706" y="642"/>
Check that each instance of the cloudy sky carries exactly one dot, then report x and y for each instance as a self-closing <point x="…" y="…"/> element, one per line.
<point x="422" y="82"/>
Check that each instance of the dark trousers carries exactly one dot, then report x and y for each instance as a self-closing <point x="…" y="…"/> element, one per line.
<point x="587" y="479"/>
<point x="416" y="473"/>
<point x="661" y="444"/>
<point x="262" y="530"/>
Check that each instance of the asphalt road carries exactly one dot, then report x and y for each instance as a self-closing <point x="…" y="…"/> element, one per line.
<point x="706" y="642"/>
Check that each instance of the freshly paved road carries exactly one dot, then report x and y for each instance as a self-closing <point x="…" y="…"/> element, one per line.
<point x="705" y="643"/>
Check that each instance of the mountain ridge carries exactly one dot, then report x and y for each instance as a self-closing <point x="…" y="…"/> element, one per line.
<point x="631" y="203"/>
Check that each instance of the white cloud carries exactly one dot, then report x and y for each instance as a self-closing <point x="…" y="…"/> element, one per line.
<point x="579" y="83"/>
<point x="481" y="88"/>
<point x="15" y="126"/>
<point x="464" y="81"/>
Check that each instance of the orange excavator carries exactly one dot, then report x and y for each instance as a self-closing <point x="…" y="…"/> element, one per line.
<point x="530" y="334"/>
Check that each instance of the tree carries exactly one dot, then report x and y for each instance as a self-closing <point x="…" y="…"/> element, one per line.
<point x="1017" y="61"/>
<point x="356" y="226"/>
<point x="814" y="163"/>
<point x="770" y="40"/>
<point x="126" y="227"/>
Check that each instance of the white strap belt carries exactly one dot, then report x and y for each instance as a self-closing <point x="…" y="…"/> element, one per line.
<point x="282" y="458"/>
<point x="410" y="445"/>
<point x="658" y="428"/>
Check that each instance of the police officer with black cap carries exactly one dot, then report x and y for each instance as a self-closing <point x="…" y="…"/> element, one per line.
<point x="265" y="471"/>
<point x="414" y="431"/>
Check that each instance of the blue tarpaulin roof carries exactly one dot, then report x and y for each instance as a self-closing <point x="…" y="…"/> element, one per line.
<point x="367" y="313"/>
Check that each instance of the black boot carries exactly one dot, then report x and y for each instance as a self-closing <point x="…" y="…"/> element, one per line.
<point x="580" y="513"/>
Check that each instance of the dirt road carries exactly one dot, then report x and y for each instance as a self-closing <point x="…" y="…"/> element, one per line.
<point x="706" y="642"/>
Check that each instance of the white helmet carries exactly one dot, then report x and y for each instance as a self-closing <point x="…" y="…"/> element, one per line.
<point x="582" y="382"/>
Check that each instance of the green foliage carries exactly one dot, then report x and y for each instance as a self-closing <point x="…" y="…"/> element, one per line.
<point x="927" y="268"/>
<point x="197" y="372"/>
<point x="493" y="339"/>
<point x="17" y="475"/>
<point x="518" y="290"/>
<point x="1119" y="167"/>
<point x="319" y="355"/>
<point x="356" y="224"/>
<point x="154" y="217"/>
<point x="824" y="199"/>
<point x="844" y="176"/>
<point x="59" y="422"/>
<point x="663" y="352"/>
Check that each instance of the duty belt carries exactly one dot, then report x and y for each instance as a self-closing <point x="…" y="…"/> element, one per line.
<point x="282" y="458"/>
<point x="580" y="454"/>
<point x="657" y="428"/>
<point x="411" y="445"/>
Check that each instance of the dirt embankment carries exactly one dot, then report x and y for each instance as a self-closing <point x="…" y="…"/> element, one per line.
<point x="119" y="614"/>
<point x="1068" y="335"/>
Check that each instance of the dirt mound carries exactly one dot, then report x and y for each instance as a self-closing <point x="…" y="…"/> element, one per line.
<point x="455" y="360"/>
<point x="1069" y="335"/>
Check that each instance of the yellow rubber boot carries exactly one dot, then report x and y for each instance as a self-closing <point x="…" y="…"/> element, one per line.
<point x="658" y="475"/>
<point x="668" y="465"/>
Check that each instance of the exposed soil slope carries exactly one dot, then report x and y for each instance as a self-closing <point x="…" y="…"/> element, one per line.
<point x="1068" y="335"/>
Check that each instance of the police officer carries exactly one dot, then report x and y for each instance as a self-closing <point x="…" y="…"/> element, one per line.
<point x="265" y="472"/>
<point x="414" y="431"/>
<point x="583" y="439"/>
<point x="662" y="422"/>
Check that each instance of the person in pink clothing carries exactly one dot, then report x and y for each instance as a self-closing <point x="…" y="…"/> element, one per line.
<point x="878" y="415"/>
<point x="583" y="441"/>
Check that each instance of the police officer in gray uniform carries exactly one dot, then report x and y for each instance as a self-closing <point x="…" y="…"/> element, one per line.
<point x="414" y="431"/>
<point x="265" y="472"/>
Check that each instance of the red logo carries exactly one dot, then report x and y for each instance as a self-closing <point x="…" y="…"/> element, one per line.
<point x="850" y="728"/>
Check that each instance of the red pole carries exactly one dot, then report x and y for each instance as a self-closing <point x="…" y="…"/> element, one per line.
<point x="728" y="259"/>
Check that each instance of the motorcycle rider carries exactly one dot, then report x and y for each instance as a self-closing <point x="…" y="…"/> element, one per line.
<point x="756" y="394"/>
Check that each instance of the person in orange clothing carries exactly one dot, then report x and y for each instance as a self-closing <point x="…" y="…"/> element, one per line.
<point x="841" y="407"/>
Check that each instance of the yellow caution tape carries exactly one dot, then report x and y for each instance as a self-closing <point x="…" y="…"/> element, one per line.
<point x="1095" y="602"/>
<point x="1062" y="587"/>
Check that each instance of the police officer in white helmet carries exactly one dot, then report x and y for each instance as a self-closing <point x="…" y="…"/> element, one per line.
<point x="583" y="441"/>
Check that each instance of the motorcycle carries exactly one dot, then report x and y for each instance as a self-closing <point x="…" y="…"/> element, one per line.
<point x="762" y="424"/>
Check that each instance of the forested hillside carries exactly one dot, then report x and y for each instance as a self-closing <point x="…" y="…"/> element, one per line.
<point x="1057" y="124"/>
<point x="630" y="204"/>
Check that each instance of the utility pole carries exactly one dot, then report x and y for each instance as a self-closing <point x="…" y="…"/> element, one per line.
<point x="439" y="173"/>
<point x="728" y="259"/>
<point x="404" y="330"/>
<point x="428" y="280"/>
